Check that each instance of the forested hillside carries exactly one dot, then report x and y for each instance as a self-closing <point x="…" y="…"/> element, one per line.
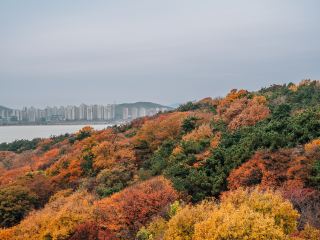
<point x="245" y="166"/>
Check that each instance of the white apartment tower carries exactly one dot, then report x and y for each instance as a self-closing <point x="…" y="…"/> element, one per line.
<point x="83" y="112"/>
<point x="125" y="113"/>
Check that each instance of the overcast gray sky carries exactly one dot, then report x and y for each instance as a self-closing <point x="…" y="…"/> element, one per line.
<point x="169" y="51"/>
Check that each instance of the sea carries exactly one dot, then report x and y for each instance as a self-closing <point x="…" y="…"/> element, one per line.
<point x="11" y="133"/>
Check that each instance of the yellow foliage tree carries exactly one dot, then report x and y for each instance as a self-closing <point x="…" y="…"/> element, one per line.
<point x="245" y="214"/>
<point x="237" y="224"/>
<point x="154" y="231"/>
<point x="181" y="225"/>
<point x="202" y="132"/>
<point x="241" y="214"/>
<point x="56" y="221"/>
<point x="312" y="146"/>
<point x="293" y="87"/>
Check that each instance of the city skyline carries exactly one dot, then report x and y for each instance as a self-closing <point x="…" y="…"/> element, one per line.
<point x="43" y="106"/>
<point x="80" y="113"/>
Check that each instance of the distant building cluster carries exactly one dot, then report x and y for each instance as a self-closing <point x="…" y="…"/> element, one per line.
<point x="82" y="113"/>
<point x="57" y="114"/>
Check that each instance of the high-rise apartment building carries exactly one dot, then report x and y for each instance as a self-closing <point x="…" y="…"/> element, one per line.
<point x="142" y="112"/>
<point x="95" y="112"/>
<point x="83" y="112"/>
<point x="90" y="113"/>
<point x="100" y="112"/>
<point x="74" y="113"/>
<point x="134" y="113"/>
<point x="125" y="113"/>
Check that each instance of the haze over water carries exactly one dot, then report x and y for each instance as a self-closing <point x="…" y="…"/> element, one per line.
<point x="11" y="133"/>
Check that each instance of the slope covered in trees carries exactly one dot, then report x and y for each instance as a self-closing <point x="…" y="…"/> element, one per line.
<point x="245" y="166"/>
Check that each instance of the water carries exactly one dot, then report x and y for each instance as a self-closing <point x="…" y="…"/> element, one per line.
<point x="11" y="133"/>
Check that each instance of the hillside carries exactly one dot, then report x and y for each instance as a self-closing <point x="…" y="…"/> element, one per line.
<point x="246" y="166"/>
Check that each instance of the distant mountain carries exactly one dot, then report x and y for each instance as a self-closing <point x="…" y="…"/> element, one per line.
<point x="146" y="105"/>
<point x="175" y="105"/>
<point x="4" y="108"/>
<point x="142" y="104"/>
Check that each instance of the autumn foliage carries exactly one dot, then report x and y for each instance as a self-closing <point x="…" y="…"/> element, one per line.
<point x="237" y="110"/>
<point x="125" y="212"/>
<point x="272" y="170"/>
<point x="165" y="127"/>
<point x="57" y="220"/>
<point x="245" y="166"/>
<point x="251" y="214"/>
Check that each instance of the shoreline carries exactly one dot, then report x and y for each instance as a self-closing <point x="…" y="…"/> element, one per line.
<point x="65" y="124"/>
<point x="12" y="133"/>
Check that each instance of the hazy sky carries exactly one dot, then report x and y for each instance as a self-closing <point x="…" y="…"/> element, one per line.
<point x="166" y="51"/>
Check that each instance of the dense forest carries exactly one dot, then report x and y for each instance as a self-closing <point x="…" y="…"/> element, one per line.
<point x="245" y="166"/>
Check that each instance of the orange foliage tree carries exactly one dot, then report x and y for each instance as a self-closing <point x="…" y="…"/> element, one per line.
<point x="234" y="94"/>
<point x="16" y="166"/>
<point x="254" y="111"/>
<point x="46" y="159"/>
<point x="312" y="146"/>
<point x="77" y="162"/>
<point x="238" y="110"/>
<point x="108" y="154"/>
<point x="164" y="127"/>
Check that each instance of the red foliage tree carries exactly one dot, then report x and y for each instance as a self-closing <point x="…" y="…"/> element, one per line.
<point x="6" y="159"/>
<point x="91" y="231"/>
<point x="125" y="212"/>
<point x="307" y="201"/>
<point x="271" y="169"/>
<point x="38" y="184"/>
